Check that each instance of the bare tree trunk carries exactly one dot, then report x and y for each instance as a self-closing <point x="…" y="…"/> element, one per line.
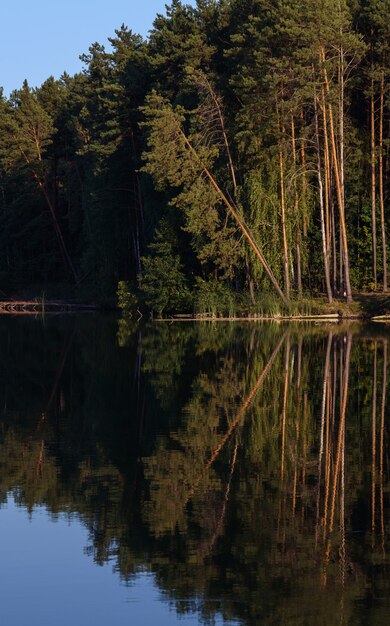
<point x="297" y="216"/>
<point x="334" y="245"/>
<point x="304" y="181"/>
<point x="339" y="179"/>
<point x="325" y="248"/>
<point x="341" y="261"/>
<point x="330" y="226"/>
<point x="341" y="123"/>
<point x="381" y="192"/>
<point x="284" y="231"/>
<point x="286" y="264"/>
<point x="326" y="169"/>
<point x="373" y="187"/>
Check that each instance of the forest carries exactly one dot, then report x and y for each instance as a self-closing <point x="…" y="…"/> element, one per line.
<point x="237" y="157"/>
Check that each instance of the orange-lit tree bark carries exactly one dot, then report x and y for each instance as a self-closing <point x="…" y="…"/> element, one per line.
<point x="373" y="184"/>
<point x="325" y="246"/>
<point x="338" y="168"/>
<point x="381" y="181"/>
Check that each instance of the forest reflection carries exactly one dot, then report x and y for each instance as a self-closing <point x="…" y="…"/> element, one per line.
<point x="246" y="467"/>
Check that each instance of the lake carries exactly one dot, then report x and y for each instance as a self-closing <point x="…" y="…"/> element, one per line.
<point x="182" y="473"/>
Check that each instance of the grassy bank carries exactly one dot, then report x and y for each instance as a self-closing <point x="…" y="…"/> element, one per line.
<point x="364" y="306"/>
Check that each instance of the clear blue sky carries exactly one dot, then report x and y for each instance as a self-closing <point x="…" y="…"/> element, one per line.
<point x="39" y="38"/>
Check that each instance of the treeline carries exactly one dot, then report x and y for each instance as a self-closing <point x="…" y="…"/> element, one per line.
<point x="242" y="149"/>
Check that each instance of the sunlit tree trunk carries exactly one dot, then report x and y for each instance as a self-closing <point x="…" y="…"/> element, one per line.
<point x="373" y="186"/>
<point x="325" y="247"/>
<point x="304" y="180"/>
<point x="381" y="182"/>
<point x="338" y="167"/>
<point x="326" y="168"/>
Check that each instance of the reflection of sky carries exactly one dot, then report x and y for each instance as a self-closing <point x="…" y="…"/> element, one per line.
<point x="46" y="579"/>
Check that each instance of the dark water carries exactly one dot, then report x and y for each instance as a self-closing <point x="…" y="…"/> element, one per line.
<point x="179" y="473"/>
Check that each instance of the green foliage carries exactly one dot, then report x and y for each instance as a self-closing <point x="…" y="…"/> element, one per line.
<point x="173" y="162"/>
<point x="127" y="301"/>
<point x="126" y="329"/>
<point x="218" y="102"/>
<point x="162" y="282"/>
<point x="214" y="298"/>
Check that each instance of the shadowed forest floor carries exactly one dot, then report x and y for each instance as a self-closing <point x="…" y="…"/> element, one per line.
<point x="372" y="304"/>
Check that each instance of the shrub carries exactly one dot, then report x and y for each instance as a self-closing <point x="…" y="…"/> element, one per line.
<point x="214" y="298"/>
<point x="163" y="284"/>
<point x="127" y="301"/>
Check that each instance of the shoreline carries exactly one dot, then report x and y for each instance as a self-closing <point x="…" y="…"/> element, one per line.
<point x="366" y="307"/>
<point x="335" y="319"/>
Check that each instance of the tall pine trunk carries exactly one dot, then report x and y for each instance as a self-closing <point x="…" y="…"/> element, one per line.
<point x="304" y="180"/>
<point x="286" y="264"/>
<point x="373" y="186"/>
<point x="338" y="167"/>
<point x="381" y="191"/>
<point x="297" y="216"/>
<point x="284" y="229"/>
<point x="325" y="249"/>
<point x="329" y="218"/>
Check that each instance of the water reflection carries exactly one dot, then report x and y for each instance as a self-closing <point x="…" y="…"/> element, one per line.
<point x="245" y="467"/>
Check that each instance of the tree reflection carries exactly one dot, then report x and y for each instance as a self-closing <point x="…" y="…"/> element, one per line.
<point x="246" y="467"/>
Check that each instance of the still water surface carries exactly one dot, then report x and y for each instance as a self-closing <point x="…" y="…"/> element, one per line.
<point x="193" y="474"/>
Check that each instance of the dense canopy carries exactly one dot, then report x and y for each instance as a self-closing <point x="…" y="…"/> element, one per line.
<point x="243" y="149"/>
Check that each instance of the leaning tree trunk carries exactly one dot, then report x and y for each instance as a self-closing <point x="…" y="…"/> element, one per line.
<point x="235" y="214"/>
